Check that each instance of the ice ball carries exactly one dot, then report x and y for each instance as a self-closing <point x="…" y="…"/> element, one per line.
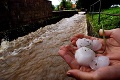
<point x="84" y="43"/>
<point x="96" y="45"/>
<point x="99" y="62"/>
<point x="84" y="56"/>
<point x="92" y="44"/>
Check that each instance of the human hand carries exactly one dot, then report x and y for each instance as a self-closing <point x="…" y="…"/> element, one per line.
<point x="112" y="51"/>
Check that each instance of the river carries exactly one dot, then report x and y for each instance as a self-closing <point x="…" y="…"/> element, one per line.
<point x="35" y="56"/>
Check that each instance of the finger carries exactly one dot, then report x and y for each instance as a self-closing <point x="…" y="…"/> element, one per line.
<point x="62" y="47"/>
<point x="69" y="58"/>
<point x="85" y="69"/>
<point x="74" y="42"/>
<point x="65" y="51"/>
<point x="71" y="49"/>
<point x="100" y="55"/>
<point x="107" y="32"/>
<point x="75" y="37"/>
<point x="77" y="74"/>
<point x="88" y="37"/>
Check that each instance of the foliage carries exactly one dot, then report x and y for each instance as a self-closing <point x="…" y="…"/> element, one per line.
<point x="86" y="4"/>
<point x="66" y="4"/>
<point x="53" y="7"/>
<point x="63" y="4"/>
<point x="56" y="8"/>
<point x="78" y="4"/>
<point x="108" y="22"/>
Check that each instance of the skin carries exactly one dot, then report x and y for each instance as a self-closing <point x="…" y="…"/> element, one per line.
<point x="112" y="50"/>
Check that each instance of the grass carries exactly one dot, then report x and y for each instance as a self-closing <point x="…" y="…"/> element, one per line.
<point x="108" y="22"/>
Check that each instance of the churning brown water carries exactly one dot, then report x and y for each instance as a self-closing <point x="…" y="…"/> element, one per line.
<point x="35" y="56"/>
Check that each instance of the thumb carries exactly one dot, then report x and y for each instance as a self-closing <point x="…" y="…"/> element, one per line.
<point x="77" y="74"/>
<point x="107" y="32"/>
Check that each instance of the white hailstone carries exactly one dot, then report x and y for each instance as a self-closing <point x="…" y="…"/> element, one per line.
<point x="99" y="62"/>
<point x="84" y="43"/>
<point x="84" y="56"/>
<point x="96" y="45"/>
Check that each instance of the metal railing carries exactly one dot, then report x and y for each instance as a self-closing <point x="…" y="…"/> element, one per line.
<point x="92" y="9"/>
<point x="92" y="12"/>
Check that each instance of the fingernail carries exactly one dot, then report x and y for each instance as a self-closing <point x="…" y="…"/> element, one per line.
<point x="69" y="74"/>
<point x="100" y="30"/>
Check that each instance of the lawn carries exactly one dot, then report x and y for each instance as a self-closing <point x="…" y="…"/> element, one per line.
<point x="108" y="21"/>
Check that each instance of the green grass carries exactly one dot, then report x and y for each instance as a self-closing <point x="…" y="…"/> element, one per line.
<point x="108" y="22"/>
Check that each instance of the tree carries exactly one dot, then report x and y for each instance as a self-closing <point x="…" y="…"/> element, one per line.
<point x="63" y="4"/>
<point x="53" y="7"/>
<point x="66" y="4"/>
<point x="78" y="4"/>
<point x="57" y="8"/>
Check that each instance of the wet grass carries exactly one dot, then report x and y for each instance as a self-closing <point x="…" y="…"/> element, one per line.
<point x="108" y="21"/>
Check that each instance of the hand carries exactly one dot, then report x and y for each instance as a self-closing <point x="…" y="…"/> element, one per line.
<point x="112" y="51"/>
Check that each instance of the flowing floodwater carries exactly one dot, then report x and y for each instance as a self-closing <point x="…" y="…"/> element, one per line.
<point x="35" y="56"/>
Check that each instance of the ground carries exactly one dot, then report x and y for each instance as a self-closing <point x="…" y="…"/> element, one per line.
<point x="35" y="56"/>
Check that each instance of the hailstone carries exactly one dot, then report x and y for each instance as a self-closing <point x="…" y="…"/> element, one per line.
<point x="84" y="43"/>
<point x="96" y="45"/>
<point x="84" y="56"/>
<point x="92" y="44"/>
<point x="99" y="62"/>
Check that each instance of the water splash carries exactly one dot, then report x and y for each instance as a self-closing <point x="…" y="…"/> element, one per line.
<point x="4" y="45"/>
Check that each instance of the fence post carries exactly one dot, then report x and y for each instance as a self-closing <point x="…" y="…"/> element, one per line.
<point x="99" y="12"/>
<point x="92" y="11"/>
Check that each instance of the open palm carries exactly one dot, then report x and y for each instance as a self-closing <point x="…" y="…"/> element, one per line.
<point x="112" y="51"/>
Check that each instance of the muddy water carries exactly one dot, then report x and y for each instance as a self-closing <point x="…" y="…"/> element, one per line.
<point x="35" y="57"/>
